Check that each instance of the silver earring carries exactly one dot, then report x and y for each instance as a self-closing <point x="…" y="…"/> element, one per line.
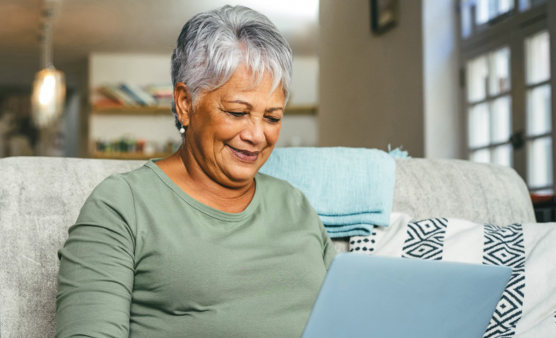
<point x="182" y="129"/>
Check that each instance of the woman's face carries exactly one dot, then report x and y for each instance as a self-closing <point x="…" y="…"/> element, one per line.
<point x="234" y="128"/>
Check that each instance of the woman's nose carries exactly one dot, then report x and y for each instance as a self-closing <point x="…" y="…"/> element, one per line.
<point x="254" y="132"/>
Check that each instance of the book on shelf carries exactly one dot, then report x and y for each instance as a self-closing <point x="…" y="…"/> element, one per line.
<point x="107" y="104"/>
<point x="132" y="95"/>
<point x="138" y="94"/>
<point x="161" y="90"/>
<point x="115" y="93"/>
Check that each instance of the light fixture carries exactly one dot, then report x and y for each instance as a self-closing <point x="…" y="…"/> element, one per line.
<point x="49" y="87"/>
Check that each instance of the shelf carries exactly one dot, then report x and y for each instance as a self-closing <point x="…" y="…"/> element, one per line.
<point x="296" y="110"/>
<point x="301" y="110"/>
<point x="131" y="111"/>
<point x="127" y="156"/>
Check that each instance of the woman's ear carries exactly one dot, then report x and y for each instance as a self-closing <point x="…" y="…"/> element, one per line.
<point x="183" y="103"/>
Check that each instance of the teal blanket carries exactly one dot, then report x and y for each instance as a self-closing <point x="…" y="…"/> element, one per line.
<point x="352" y="189"/>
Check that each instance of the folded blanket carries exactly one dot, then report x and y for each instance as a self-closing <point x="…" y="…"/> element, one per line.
<point x="351" y="189"/>
<point x="527" y="308"/>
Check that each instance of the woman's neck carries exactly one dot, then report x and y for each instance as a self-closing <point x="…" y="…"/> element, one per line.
<point x="183" y="169"/>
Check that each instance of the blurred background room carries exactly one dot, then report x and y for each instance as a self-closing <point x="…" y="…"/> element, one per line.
<point x="463" y="79"/>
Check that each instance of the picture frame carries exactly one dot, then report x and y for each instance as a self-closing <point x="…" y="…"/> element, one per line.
<point x="384" y="15"/>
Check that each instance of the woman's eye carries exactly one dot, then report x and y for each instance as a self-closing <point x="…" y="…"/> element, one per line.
<point x="236" y="114"/>
<point x="273" y="120"/>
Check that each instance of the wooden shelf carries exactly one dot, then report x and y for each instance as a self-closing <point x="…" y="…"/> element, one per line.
<point x="139" y="110"/>
<point x="127" y="156"/>
<point x="301" y="110"/>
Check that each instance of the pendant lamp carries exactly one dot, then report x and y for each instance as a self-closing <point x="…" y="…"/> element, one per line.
<point x="49" y="87"/>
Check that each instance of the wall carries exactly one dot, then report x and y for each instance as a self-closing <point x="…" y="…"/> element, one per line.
<point x="443" y="121"/>
<point x="371" y="87"/>
<point x="305" y="81"/>
<point x="302" y="130"/>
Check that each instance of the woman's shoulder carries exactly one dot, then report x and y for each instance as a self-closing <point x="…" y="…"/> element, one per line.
<point x="116" y="190"/>
<point x="273" y="183"/>
<point x="277" y="188"/>
<point x="125" y="180"/>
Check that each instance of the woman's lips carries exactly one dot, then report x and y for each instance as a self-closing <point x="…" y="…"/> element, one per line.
<point x="244" y="155"/>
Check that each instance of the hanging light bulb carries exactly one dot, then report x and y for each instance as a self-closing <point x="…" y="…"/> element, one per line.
<point x="49" y="92"/>
<point x="49" y="87"/>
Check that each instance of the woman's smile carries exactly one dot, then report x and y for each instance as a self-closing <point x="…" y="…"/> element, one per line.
<point x="244" y="155"/>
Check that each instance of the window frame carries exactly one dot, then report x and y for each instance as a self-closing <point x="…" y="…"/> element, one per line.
<point x="489" y="99"/>
<point x="511" y="29"/>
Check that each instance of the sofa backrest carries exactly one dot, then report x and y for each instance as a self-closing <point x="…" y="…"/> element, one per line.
<point x="41" y="197"/>
<point x="482" y="193"/>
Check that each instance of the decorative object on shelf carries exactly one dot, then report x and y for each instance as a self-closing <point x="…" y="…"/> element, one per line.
<point x="49" y="88"/>
<point x="384" y="15"/>
<point x="128" y="147"/>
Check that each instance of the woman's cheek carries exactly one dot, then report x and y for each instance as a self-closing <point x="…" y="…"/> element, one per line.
<point x="273" y="134"/>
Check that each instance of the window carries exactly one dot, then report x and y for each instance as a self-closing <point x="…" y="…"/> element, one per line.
<point x="505" y="49"/>
<point x="487" y="10"/>
<point x="475" y="14"/>
<point x="528" y="4"/>
<point x="539" y="116"/>
<point x="489" y="107"/>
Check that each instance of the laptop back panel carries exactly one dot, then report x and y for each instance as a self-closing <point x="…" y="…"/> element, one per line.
<point x="371" y="296"/>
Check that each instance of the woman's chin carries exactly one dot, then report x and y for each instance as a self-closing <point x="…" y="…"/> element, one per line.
<point x="239" y="173"/>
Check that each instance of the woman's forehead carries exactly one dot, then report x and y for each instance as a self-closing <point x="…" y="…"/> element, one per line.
<point x="243" y="83"/>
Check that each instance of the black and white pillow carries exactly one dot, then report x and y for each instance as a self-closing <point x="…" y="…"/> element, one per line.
<point x="528" y="305"/>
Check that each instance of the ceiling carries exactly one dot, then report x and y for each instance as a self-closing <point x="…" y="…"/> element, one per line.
<point x="131" y="26"/>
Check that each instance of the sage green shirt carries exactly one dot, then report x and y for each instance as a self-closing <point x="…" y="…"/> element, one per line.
<point x="144" y="259"/>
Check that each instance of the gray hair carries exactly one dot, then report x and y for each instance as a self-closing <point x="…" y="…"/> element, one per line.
<point x="212" y="44"/>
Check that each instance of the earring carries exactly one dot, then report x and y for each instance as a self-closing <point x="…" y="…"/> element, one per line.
<point x="182" y="129"/>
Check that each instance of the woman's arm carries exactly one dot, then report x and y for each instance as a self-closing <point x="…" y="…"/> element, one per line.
<point x="95" y="280"/>
<point x="329" y="249"/>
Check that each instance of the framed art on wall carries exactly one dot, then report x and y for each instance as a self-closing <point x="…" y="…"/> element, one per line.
<point x="384" y="15"/>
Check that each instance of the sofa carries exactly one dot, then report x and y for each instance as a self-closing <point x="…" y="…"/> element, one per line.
<point x="40" y="199"/>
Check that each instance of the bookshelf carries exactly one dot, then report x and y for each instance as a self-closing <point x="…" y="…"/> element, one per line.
<point x="120" y="128"/>
<point x="142" y="110"/>
<point x="139" y="110"/>
<point x="110" y="122"/>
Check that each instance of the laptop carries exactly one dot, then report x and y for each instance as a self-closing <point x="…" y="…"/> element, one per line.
<point x="373" y="296"/>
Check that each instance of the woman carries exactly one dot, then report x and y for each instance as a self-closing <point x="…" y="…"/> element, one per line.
<point x="199" y="244"/>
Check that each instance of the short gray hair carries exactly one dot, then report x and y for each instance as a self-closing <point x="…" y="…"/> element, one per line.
<point x="212" y="44"/>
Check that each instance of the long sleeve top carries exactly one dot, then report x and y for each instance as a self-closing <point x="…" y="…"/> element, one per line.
<point x="144" y="259"/>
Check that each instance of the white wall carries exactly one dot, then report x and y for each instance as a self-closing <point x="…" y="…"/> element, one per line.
<point x="305" y="81"/>
<point x="443" y="127"/>
<point x="302" y="130"/>
<point x="144" y="69"/>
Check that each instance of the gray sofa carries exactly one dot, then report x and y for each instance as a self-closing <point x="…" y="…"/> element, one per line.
<point x="41" y="197"/>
